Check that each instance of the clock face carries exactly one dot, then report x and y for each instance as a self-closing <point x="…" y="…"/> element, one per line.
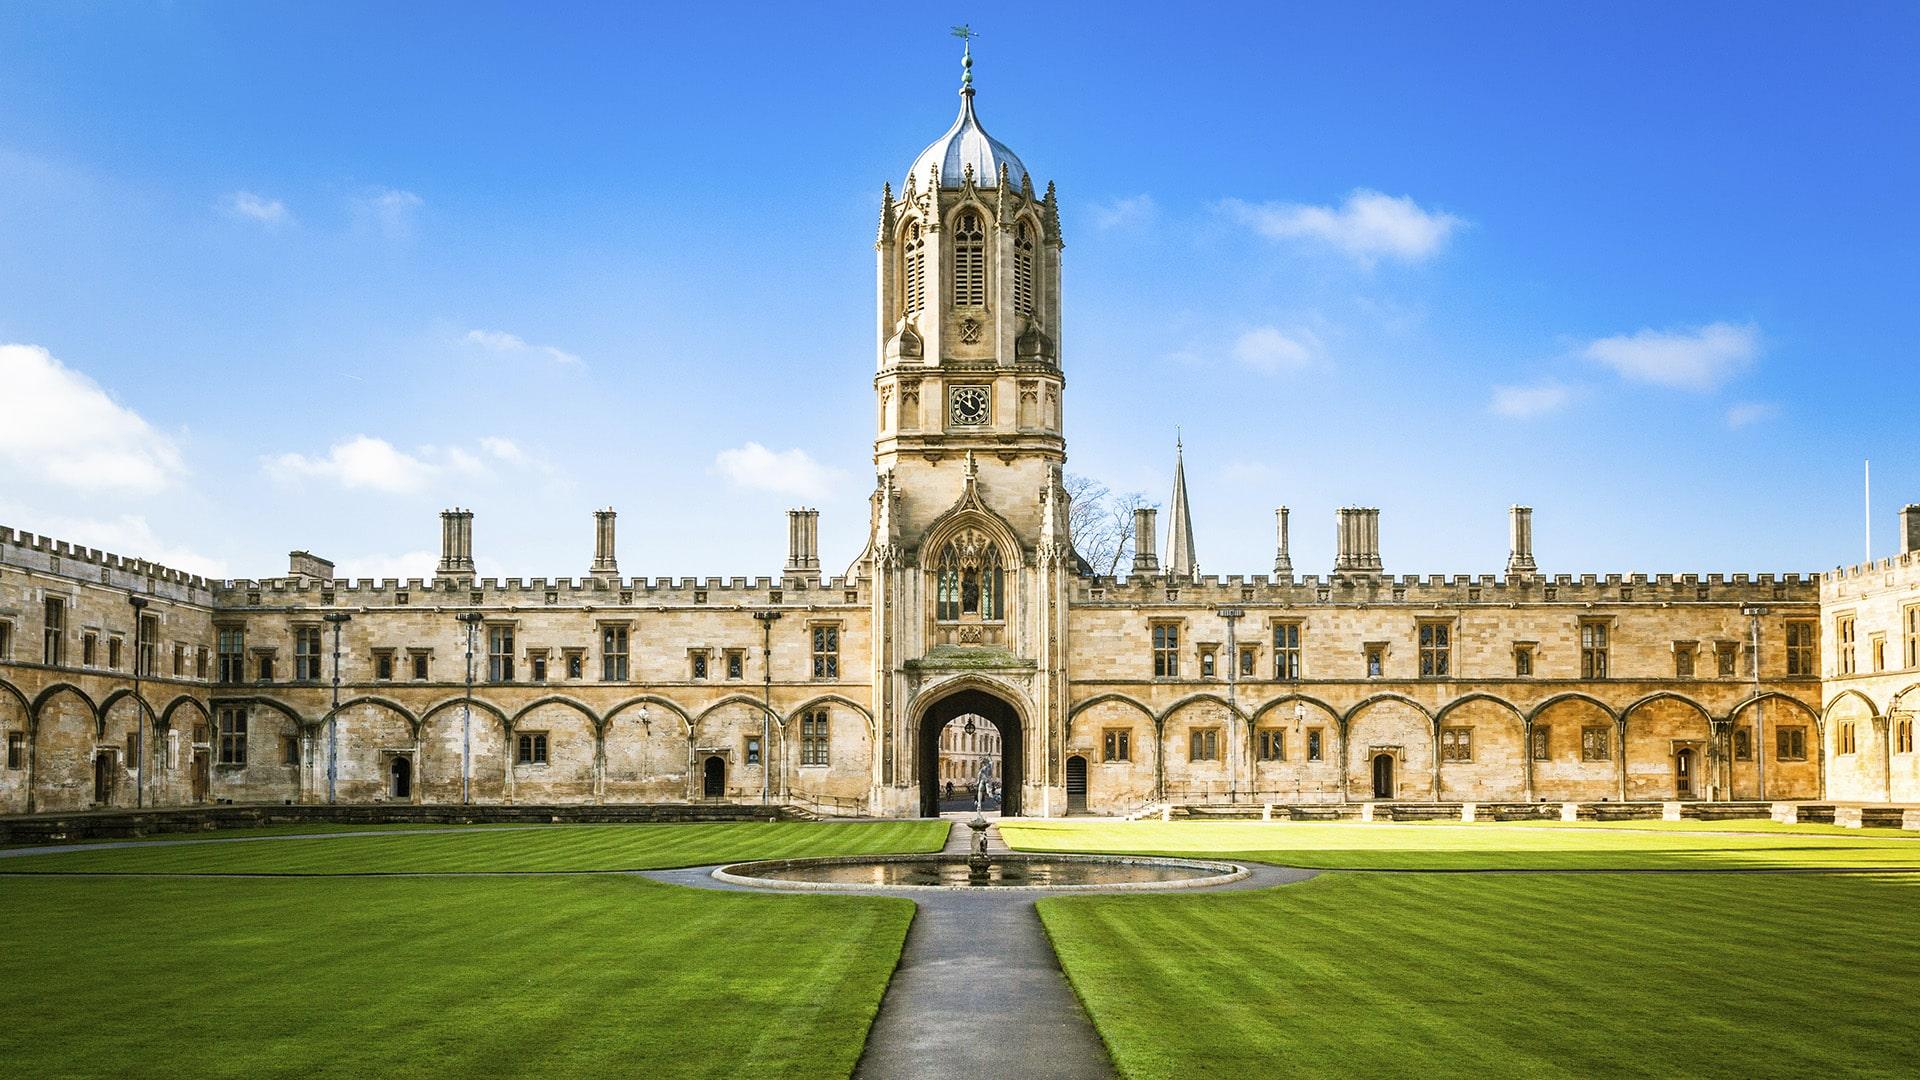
<point x="969" y="405"/>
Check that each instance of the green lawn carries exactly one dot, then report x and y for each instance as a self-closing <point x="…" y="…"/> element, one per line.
<point x="1550" y="976"/>
<point x="546" y="849"/>
<point x="1381" y="846"/>
<point x="596" y="976"/>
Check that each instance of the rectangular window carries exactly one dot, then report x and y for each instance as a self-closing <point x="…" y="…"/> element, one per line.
<point x="113" y="653"/>
<point x="1542" y="739"/>
<point x="736" y="664"/>
<point x="263" y="664"/>
<point x="500" y="654"/>
<point x="53" y="638"/>
<point x="1316" y="745"/>
<point x="89" y="649"/>
<point x="826" y="651"/>
<point x="383" y="665"/>
<point x="6" y="641"/>
<point x="419" y="660"/>
<point x="1246" y="662"/>
<point x="1456" y="744"/>
<point x="697" y="663"/>
<point x="16" y="749"/>
<point x="1879" y="650"/>
<point x="147" y="644"/>
<point x="1436" y="650"/>
<point x="1742" y="744"/>
<point x="1800" y="648"/>
<point x="1286" y="651"/>
<point x="1910" y="619"/>
<point x="1206" y="663"/>
<point x="1843" y="631"/>
<point x="233" y="736"/>
<point x="1376" y="660"/>
<point x="1272" y="744"/>
<point x="1903" y="737"/>
<point x="537" y="664"/>
<point x="1596" y="743"/>
<point x="533" y="748"/>
<point x="613" y="654"/>
<point x="133" y="750"/>
<point x="751" y="749"/>
<point x="1116" y="744"/>
<point x="1523" y="661"/>
<point x="1593" y="649"/>
<point x="200" y="662"/>
<point x="1683" y="660"/>
<point x="232" y="645"/>
<point x="576" y="664"/>
<point x="1166" y="650"/>
<point x="1723" y="653"/>
<point x="306" y="654"/>
<point x="1790" y="743"/>
<point x="179" y="661"/>
<point x="289" y="750"/>
<point x="1203" y="744"/>
<point x="813" y="738"/>
<point x="1844" y="739"/>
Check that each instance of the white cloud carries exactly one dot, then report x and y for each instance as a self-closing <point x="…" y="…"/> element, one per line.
<point x="1748" y="413"/>
<point x="787" y="472"/>
<point x="1699" y="359"/>
<point x="1367" y="227"/>
<point x="503" y="342"/>
<point x="1272" y="350"/>
<point x="390" y="210"/>
<point x="128" y="535"/>
<point x="410" y="564"/>
<point x="364" y="462"/>
<point x="245" y="204"/>
<point x="62" y="428"/>
<point x="1528" y="401"/>
<point x="1123" y="213"/>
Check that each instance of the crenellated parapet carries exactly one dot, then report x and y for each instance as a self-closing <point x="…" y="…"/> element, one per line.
<point x="43" y="554"/>
<point x="581" y="593"/>
<point x="1444" y="589"/>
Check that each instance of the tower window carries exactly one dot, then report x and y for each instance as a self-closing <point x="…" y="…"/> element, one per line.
<point x="969" y="262"/>
<point x="1023" y="298"/>
<point x="971" y="579"/>
<point x="913" y="271"/>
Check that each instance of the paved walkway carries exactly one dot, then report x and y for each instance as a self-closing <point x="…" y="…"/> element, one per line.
<point x="978" y="991"/>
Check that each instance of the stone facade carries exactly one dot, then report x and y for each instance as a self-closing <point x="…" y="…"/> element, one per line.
<point x="969" y="599"/>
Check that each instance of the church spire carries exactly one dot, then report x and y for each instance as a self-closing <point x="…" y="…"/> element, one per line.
<point x="1180" y="561"/>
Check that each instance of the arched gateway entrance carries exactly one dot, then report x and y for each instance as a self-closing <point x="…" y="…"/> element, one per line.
<point x="1003" y="715"/>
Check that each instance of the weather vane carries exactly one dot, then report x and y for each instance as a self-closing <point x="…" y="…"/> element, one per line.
<point x="966" y="33"/>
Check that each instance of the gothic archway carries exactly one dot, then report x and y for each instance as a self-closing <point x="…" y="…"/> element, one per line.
<point x="1003" y="714"/>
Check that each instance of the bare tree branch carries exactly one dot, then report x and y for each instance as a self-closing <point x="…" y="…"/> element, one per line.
<point x="1102" y="523"/>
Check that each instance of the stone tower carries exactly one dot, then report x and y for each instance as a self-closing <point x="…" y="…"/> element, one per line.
<point x="969" y="552"/>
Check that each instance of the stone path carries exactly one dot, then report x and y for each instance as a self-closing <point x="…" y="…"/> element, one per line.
<point x="978" y="991"/>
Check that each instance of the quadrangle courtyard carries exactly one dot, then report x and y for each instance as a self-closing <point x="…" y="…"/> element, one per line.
<point x="1689" y="949"/>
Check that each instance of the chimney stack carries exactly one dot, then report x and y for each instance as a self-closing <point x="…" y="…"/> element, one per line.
<point x="1910" y="528"/>
<point x="1520" y="542"/>
<point x="1145" y="561"/>
<point x="1282" y="562"/>
<point x="803" y="544"/>
<point x="1358" y="541"/>
<point x="605" y="564"/>
<point x="456" y="544"/>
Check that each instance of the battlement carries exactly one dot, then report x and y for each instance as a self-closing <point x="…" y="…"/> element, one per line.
<point x="590" y="592"/>
<point x="1446" y="590"/>
<point x="1905" y="561"/>
<point x="44" y="554"/>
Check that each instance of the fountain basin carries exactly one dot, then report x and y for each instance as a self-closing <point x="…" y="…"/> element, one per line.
<point x="1051" y="873"/>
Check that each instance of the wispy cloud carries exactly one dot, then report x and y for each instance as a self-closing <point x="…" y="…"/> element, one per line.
<point x="390" y="210"/>
<point x="367" y="463"/>
<point x="1367" y="227"/>
<point x="1748" y="413"/>
<point x="245" y="204"/>
<point x="503" y="342"/>
<point x="62" y="428"/>
<point x="1699" y="359"/>
<point x="1522" y="402"/>
<point x="409" y="564"/>
<point x="1273" y="350"/>
<point x="785" y="472"/>
<point x="1124" y="213"/>
<point x="127" y="534"/>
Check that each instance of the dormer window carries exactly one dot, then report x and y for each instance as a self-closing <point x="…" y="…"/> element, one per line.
<point x="1023" y="296"/>
<point x="972" y="579"/>
<point x="969" y="261"/>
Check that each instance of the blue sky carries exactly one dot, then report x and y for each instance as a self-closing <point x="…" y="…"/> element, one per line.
<point x="280" y="276"/>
